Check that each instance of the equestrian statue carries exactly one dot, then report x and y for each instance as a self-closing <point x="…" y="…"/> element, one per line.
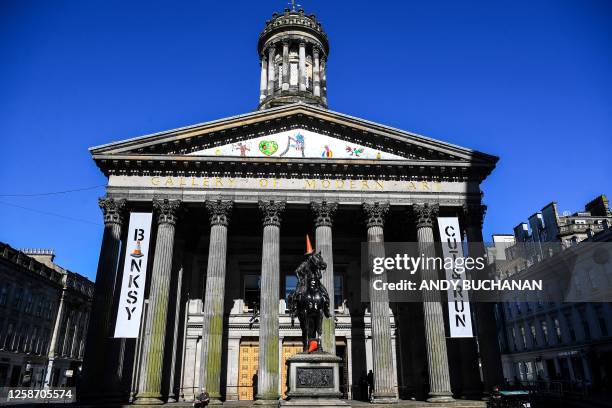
<point x="309" y="302"/>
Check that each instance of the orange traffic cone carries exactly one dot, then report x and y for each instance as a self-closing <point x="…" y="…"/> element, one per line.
<point x="137" y="253"/>
<point x="314" y="345"/>
<point x="309" y="249"/>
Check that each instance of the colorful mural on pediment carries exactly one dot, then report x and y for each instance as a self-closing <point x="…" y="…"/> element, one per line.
<point x="297" y="143"/>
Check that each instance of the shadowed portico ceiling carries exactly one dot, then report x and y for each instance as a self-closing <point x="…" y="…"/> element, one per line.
<point x="180" y="150"/>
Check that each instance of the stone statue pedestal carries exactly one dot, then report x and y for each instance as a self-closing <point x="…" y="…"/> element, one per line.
<point x="314" y="380"/>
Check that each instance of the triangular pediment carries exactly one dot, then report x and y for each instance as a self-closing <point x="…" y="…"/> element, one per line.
<point x="295" y="134"/>
<point x="298" y="143"/>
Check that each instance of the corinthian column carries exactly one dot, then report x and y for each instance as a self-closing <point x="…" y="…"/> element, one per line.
<point x="271" y="68"/>
<point x="149" y="391"/>
<point x="437" y="358"/>
<point x="99" y="331"/>
<point x="268" y="375"/>
<point x="485" y="313"/>
<point x="315" y="72"/>
<point x="382" y="349"/>
<point x="323" y="79"/>
<point x="212" y="324"/>
<point x="324" y="214"/>
<point x="302" y="66"/>
<point x="285" y="79"/>
<point x="263" y="84"/>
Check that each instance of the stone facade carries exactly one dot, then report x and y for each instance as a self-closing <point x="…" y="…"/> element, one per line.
<point x="223" y="266"/>
<point x="44" y="314"/>
<point x="561" y="346"/>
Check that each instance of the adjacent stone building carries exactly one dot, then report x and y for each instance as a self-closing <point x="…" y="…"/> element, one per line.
<point x="44" y="313"/>
<point x="560" y="345"/>
<point x="233" y="200"/>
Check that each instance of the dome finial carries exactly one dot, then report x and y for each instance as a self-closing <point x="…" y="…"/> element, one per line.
<point x="294" y="6"/>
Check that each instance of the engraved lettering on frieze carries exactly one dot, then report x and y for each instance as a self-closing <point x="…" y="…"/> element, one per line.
<point x="320" y="377"/>
<point x="290" y="184"/>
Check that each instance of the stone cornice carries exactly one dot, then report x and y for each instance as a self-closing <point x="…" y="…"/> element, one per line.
<point x="164" y="165"/>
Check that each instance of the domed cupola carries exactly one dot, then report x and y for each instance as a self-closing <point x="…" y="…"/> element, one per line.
<point x="293" y="50"/>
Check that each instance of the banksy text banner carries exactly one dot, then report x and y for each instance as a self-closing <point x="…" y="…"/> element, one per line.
<point x="134" y="275"/>
<point x="459" y="316"/>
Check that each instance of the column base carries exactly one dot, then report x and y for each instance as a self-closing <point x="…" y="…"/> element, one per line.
<point x="148" y="400"/>
<point x="440" y="397"/>
<point x="267" y="403"/>
<point x="384" y="399"/>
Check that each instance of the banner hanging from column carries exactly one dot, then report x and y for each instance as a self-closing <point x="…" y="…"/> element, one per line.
<point x="134" y="276"/>
<point x="459" y="315"/>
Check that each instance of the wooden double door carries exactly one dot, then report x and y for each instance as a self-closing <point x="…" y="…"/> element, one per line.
<point x="249" y="362"/>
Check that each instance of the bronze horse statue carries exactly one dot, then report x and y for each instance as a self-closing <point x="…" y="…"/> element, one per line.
<point x="310" y="300"/>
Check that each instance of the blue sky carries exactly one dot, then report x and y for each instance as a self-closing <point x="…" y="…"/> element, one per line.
<point x="528" y="81"/>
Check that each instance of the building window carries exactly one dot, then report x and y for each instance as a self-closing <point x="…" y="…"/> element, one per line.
<point x="532" y="330"/>
<point x="252" y="288"/>
<point x="544" y="326"/>
<point x="39" y="307"/>
<point x="18" y="298"/>
<point x="557" y="329"/>
<point x="570" y="327"/>
<point x="602" y="321"/>
<point x="290" y="283"/>
<point x="586" y="329"/>
<point x="28" y="303"/>
<point x="338" y="291"/>
<point x="293" y="74"/>
<point x="8" y="339"/>
<point x="514" y="339"/>
<point x="4" y="292"/>
<point x="523" y="337"/>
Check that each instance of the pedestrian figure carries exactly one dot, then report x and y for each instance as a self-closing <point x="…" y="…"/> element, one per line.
<point x="370" y="384"/>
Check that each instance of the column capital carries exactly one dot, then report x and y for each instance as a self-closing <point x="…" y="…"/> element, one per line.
<point x="375" y="213"/>
<point x="271" y="48"/>
<point x="271" y="212"/>
<point x="219" y="211"/>
<point x="315" y="50"/>
<point x="168" y="210"/>
<point x="425" y="214"/>
<point x="324" y="213"/>
<point x="112" y="209"/>
<point x="474" y="214"/>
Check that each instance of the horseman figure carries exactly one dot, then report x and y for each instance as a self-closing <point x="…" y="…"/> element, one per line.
<point x="310" y="300"/>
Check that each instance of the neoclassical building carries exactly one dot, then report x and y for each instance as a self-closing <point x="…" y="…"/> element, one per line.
<point x="232" y="201"/>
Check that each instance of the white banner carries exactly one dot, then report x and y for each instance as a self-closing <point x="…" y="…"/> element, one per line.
<point x="134" y="276"/>
<point x="459" y="315"/>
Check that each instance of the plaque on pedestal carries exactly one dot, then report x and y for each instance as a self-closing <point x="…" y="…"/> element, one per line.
<point x="314" y="380"/>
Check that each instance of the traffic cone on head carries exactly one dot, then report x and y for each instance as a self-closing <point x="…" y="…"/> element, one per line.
<point x="313" y="346"/>
<point x="309" y="249"/>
